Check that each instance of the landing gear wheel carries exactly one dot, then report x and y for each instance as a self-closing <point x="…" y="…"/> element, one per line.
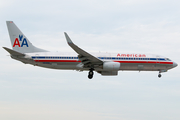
<point x="90" y="76"/>
<point x="91" y="73"/>
<point x="159" y="75"/>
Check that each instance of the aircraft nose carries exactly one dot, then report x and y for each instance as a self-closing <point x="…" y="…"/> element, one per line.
<point x="175" y="64"/>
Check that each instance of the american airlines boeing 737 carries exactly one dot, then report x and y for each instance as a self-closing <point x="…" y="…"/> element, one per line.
<point x="103" y="63"/>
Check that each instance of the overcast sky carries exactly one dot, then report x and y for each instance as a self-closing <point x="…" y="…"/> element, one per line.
<point x="143" y="26"/>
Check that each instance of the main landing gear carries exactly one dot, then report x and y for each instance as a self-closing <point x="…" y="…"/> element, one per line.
<point x="91" y="73"/>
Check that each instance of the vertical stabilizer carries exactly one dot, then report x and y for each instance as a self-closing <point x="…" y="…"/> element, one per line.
<point x="19" y="41"/>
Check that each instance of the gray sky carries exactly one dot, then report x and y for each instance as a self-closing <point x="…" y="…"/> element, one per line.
<point x="148" y="26"/>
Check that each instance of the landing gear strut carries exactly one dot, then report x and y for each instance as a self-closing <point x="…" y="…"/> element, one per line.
<point x="91" y="73"/>
<point x="159" y="75"/>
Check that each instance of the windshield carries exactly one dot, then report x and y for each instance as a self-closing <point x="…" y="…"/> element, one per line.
<point x="168" y="59"/>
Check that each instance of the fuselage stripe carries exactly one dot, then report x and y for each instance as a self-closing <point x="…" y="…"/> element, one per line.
<point x="102" y="58"/>
<point x="115" y="59"/>
<point x="145" y="62"/>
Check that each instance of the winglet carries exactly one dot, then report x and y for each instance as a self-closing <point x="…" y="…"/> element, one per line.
<point x="67" y="38"/>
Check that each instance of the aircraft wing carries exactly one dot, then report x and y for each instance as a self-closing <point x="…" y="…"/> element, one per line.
<point x="13" y="52"/>
<point x="87" y="59"/>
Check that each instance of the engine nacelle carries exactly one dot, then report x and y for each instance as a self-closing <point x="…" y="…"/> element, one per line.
<point x="111" y="66"/>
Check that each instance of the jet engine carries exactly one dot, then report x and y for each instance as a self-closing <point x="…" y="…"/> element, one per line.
<point x="111" y="66"/>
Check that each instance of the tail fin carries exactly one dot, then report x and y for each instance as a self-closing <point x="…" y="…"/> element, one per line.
<point x="19" y="41"/>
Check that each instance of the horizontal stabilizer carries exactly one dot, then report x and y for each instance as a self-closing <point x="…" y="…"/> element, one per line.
<point x="12" y="52"/>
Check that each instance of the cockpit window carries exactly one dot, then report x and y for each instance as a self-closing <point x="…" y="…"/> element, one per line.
<point x="168" y="59"/>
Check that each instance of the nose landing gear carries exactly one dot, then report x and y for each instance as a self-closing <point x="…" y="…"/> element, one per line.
<point x="159" y="75"/>
<point x="91" y="73"/>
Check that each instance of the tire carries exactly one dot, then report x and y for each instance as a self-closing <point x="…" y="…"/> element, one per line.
<point x="91" y="73"/>
<point x="90" y="76"/>
<point x="159" y="75"/>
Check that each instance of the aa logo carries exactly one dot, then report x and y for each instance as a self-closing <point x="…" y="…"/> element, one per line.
<point x="21" y="40"/>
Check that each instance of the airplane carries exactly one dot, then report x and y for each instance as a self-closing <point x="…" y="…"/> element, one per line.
<point x="106" y="64"/>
